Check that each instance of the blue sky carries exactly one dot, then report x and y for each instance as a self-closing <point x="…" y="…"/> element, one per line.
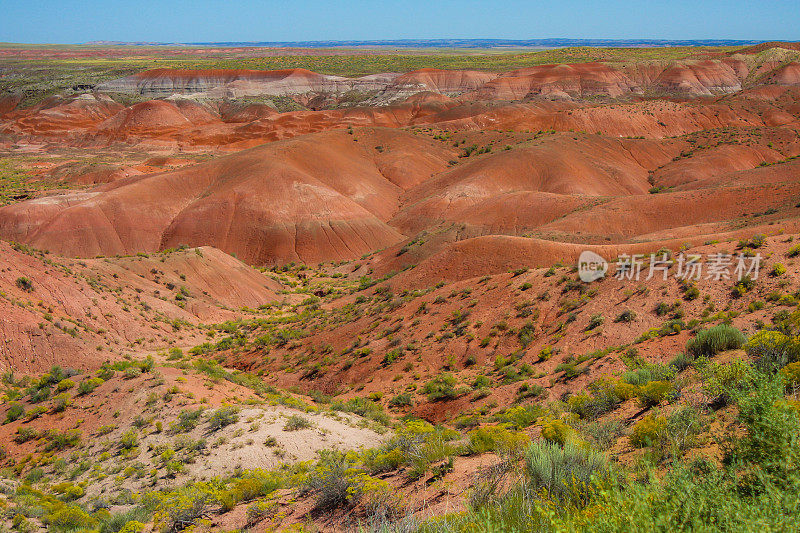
<point x="50" y="21"/>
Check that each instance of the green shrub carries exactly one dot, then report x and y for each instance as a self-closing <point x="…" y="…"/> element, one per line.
<point x="129" y="439"/>
<point x="401" y="400"/>
<point x="791" y="374"/>
<point x="526" y="334"/>
<point x="64" y="384"/>
<point x="626" y="316"/>
<point x="648" y="431"/>
<point x="296" y="423"/>
<point x="61" y="402"/>
<point x="647" y="373"/>
<point x="772" y="349"/>
<point x="330" y="480"/>
<point x="711" y="341"/>
<point x="69" y="517"/>
<point x="25" y="284"/>
<point x="655" y="392"/>
<point x="521" y="416"/>
<point x="778" y="270"/>
<point x="362" y="407"/>
<point x="441" y="388"/>
<point x="563" y="472"/>
<point x="555" y="430"/>
<point x="88" y="385"/>
<point x="723" y="382"/>
<point x="743" y="286"/>
<point x="187" y="420"/>
<point x="15" y="412"/>
<point x="224" y="416"/>
<point x="496" y="438"/>
<point x="594" y="322"/>
<point x="132" y="372"/>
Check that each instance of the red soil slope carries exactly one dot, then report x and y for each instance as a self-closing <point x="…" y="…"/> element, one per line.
<point x="310" y="198"/>
<point x="80" y="313"/>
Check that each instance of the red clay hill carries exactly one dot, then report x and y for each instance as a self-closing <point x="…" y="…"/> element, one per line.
<point x="596" y="153"/>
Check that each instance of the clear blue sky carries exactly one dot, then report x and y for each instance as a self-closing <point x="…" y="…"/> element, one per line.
<point x="52" y="21"/>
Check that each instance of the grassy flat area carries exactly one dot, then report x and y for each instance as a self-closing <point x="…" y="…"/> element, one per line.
<point x="39" y="77"/>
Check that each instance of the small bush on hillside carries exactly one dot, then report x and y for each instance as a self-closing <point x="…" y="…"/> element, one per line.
<point x="648" y="431"/>
<point x="25" y="284"/>
<point x="655" y="392"/>
<point x="330" y="481"/>
<point x="187" y="420"/>
<point x="626" y="316"/>
<point x="564" y="472"/>
<point x="647" y="373"/>
<point x="526" y="334"/>
<point x="711" y="341"/>
<point x="723" y="382"/>
<point x="88" y="385"/>
<point x="296" y="423"/>
<point x="778" y="270"/>
<point x="15" y="412"/>
<point x="64" y="384"/>
<point x="772" y="349"/>
<point x="69" y="518"/>
<point x="224" y="416"/>
<point x="496" y="438"/>
<point x="441" y="388"/>
<point x="401" y="400"/>
<point x="791" y="373"/>
<point x="362" y="407"/>
<point x="743" y="286"/>
<point x="595" y="321"/>
<point x="555" y="430"/>
<point x="61" y="402"/>
<point x="128" y="440"/>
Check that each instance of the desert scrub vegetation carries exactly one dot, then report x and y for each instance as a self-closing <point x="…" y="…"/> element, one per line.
<point x="296" y="423"/>
<point x="711" y="341"/>
<point x="571" y="487"/>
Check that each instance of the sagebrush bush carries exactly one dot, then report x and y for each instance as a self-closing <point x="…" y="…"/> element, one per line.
<point x="296" y="423"/>
<point x="441" y="388"/>
<point x="711" y="341"/>
<point x="564" y="472"/>
<point x="15" y="412"/>
<point x="723" y="381"/>
<point x="224" y="416"/>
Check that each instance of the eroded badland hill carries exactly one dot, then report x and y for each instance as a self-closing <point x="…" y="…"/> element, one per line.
<point x="253" y="291"/>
